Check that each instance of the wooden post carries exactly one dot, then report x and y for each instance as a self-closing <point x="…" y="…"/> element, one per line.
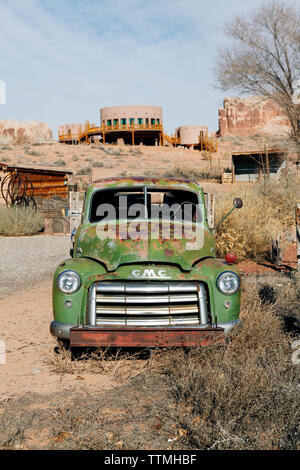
<point x="298" y="234"/>
<point x="211" y="198"/>
<point x="233" y="172"/>
<point x="76" y="204"/>
<point x="267" y="162"/>
<point x="132" y="137"/>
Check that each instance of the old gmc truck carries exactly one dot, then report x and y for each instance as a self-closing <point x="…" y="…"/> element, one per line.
<point x="143" y="269"/>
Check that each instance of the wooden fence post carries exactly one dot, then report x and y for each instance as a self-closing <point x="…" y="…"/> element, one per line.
<point x="76" y="206"/>
<point x="210" y="208"/>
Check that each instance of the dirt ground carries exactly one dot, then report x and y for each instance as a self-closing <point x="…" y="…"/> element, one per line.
<point x="42" y="393"/>
<point x="108" y="160"/>
<point x="48" y="401"/>
<point x="29" y="348"/>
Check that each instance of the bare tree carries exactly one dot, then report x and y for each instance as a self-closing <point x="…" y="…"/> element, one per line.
<point x="264" y="58"/>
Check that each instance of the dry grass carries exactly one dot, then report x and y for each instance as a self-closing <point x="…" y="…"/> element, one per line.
<point x="268" y="211"/>
<point x="84" y="170"/>
<point x="18" y="221"/>
<point x="59" y="162"/>
<point x="206" y="173"/>
<point x="245" y="395"/>
<point x="115" y="363"/>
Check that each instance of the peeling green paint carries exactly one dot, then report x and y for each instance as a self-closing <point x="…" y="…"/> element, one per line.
<point x="97" y="259"/>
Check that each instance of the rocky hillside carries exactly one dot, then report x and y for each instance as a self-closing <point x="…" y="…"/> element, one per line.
<point x="17" y="132"/>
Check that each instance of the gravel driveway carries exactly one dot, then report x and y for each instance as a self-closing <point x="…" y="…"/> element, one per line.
<point x="30" y="259"/>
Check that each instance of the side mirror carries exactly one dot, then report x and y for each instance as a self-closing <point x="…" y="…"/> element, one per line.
<point x="238" y="203"/>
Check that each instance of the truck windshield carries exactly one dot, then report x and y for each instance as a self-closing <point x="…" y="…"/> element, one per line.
<point x="145" y="203"/>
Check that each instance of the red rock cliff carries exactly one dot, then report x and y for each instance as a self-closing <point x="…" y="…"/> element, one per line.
<point x="250" y="116"/>
<point x="16" y="132"/>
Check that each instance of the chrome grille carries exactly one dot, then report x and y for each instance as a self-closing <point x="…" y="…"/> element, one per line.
<point x="147" y="303"/>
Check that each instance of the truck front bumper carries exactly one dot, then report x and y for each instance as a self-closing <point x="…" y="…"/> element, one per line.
<point x="141" y="336"/>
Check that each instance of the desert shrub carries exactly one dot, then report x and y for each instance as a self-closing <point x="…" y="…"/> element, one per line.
<point x="17" y="221"/>
<point x="245" y="394"/>
<point x="98" y="164"/>
<point x="75" y="158"/>
<point x="115" y="152"/>
<point x="205" y="173"/>
<point x="135" y="151"/>
<point x="268" y="211"/>
<point x="33" y="153"/>
<point x="5" y="147"/>
<point x="59" y="162"/>
<point x="84" y="170"/>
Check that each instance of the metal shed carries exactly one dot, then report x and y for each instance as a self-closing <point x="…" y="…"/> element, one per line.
<point x="254" y="164"/>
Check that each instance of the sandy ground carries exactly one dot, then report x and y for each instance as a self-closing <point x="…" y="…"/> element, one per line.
<point x="30" y="348"/>
<point x="108" y="160"/>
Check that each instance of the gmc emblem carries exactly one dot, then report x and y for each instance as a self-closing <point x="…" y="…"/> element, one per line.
<point x="149" y="274"/>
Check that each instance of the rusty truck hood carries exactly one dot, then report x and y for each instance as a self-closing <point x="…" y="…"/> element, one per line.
<point x="114" y="251"/>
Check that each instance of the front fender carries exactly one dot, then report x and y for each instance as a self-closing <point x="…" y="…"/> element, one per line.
<point x="86" y="268"/>
<point x="210" y="270"/>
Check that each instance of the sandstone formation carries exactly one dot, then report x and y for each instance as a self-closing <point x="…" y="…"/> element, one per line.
<point x="17" y="132"/>
<point x="251" y="116"/>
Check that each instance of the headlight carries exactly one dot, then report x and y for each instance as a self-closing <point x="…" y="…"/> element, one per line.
<point x="228" y="283"/>
<point x="68" y="282"/>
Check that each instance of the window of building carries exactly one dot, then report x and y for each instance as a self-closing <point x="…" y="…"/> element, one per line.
<point x="153" y="121"/>
<point x="116" y="122"/>
<point x="158" y="121"/>
<point x="147" y="120"/>
<point x="140" y="120"/>
<point x="131" y="121"/>
<point x="109" y="122"/>
<point x="123" y="122"/>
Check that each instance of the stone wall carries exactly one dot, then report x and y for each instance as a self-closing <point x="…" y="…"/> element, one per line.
<point x="251" y="116"/>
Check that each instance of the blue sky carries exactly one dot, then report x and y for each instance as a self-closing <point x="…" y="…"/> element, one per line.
<point x="63" y="60"/>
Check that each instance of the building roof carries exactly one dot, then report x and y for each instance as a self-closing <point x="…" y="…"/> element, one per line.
<point x="258" y="152"/>
<point x="37" y="169"/>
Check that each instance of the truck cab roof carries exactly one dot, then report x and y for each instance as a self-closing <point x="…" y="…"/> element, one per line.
<point x="138" y="181"/>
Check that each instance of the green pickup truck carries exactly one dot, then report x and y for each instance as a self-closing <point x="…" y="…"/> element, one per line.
<point x="143" y="270"/>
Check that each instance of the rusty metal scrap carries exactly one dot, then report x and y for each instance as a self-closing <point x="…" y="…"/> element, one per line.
<point x="17" y="190"/>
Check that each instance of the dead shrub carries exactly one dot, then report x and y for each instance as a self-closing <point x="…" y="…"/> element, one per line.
<point x="268" y="211"/>
<point x="18" y="221"/>
<point x="244" y="395"/>
<point x="84" y="170"/>
<point x="205" y="173"/>
<point x="59" y="162"/>
<point x="113" y="362"/>
<point x="98" y="164"/>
